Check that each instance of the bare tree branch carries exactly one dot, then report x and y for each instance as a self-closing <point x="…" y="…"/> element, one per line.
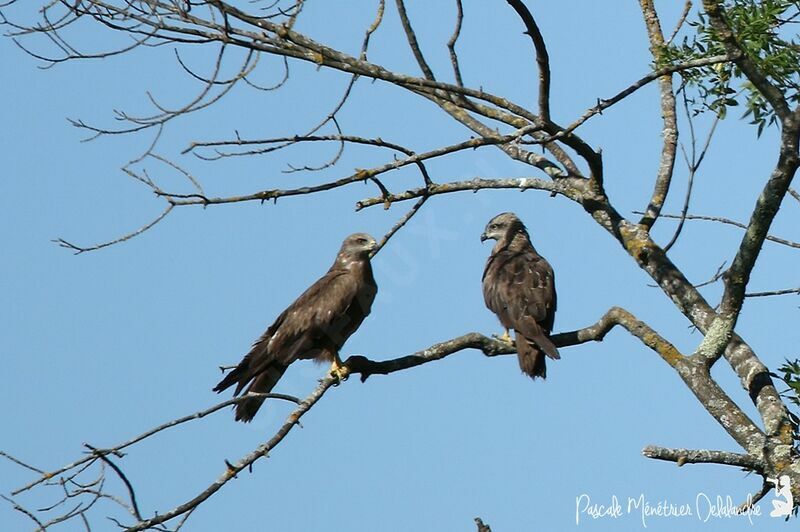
<point x="116" y="450"/>
<point x="669" y="131"/>
<point x="542" y="57"/>
<point x="80" y="249"/>
<point x="244" y="462"/>
<point x="703" y="456"/>
<point x="774" y="292"/>
<point x="400" y="224"/>
<point x="693" y="165"/>
<point x="562" y="186"/>
<point x="728" y="221"/>
<point x="681" y="21"/>
<point x="24" y="511"/>
<point x="412" y="40"/>
<point x="131" y="492"/>
<point x="752" y="499"/>
<point x="498" y="122"/>
<point x="451" y="44"/>
<point x="482" y="527"/>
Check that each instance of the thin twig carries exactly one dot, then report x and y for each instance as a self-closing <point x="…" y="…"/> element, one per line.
<point x="728" y="221"/>
<point x="131" y="492"/>
<point x="400" y="223"/>
<point x="79" y="249"/>
<point x="783" y="292"/>
<point x="232" y="469"/>
<point x="754" y="498"/>
<point x="451" y="44"/>
<point x="681" y="21"/>
<point x="411" y="37"/>
<point x="693" y="166"/>
<point x="175" y="422"/>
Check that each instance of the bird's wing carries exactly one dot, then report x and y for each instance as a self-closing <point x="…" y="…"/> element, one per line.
<point x="526" y="284"/>
<point x="494" y="289"/>
<point x="321" y="318"/>
<point x="519" y="287"/>
<point x="294" y="330"/>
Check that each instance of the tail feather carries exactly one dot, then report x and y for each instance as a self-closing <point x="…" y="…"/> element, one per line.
<point x="263" y="383"/>
<point x="237" y="376"/>
<point x="531" y="354"/>
<point x="260" y="380"/>
<point x="532" y="331"/>
<point x="546" y="345"/>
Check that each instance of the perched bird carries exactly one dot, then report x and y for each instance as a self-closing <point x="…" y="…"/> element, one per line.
<point x="315" y="326"/>
<point x="519" y="287"/>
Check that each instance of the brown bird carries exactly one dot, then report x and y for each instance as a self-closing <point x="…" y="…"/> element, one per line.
<point x="315" y="326"/>
<point x="519" y="287"/>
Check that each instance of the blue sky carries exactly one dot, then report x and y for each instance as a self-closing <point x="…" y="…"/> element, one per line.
<point x="102" y="346"/>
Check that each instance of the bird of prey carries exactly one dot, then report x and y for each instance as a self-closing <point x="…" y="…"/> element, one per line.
<point x="315" y="326"/>
<point x="519" y="287"/>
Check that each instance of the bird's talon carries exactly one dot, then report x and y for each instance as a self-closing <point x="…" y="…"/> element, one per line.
<point x="505" y="338"/>
<point x="340" y="373"/>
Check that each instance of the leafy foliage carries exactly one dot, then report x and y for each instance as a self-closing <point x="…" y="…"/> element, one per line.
<point x="765" y="31"/>
<point x="790" y="375"/>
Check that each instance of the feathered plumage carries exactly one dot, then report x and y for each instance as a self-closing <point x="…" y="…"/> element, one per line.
<point x="315" y="326"/>
<point x="519" y="287"/>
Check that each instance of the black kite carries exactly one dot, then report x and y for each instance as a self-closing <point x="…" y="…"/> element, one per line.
<point x="315" y="326"/>
<point x="519" y="287"/>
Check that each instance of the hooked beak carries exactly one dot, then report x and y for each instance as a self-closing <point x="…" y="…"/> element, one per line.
<point x="373" y="245"/>
<point x="484" y="238"/>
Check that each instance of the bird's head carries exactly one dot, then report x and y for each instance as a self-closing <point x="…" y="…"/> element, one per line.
<point x="358" y="245"/>
<point x="503" y="227"/>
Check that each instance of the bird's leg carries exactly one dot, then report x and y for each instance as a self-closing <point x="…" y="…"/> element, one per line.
<point x="338" y="369"/>
<point x="505" y="338"/>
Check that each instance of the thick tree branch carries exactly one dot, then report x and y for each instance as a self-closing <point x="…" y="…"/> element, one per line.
<point x="668" y="112"/>
<point x="650" y="257"/>
<point x="764" y="213"/>
<point x="703" y="456"/>
<point x="164" y="21"/>
<point x="494" y="347"/>
<point x="696" y="376"/>
<point x="570" y="187"/>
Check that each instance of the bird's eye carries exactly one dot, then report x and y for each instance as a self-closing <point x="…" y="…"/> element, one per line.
<point x="362" y="241"/>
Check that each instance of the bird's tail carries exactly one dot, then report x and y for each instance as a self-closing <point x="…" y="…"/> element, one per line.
<point x="262" y="383"/>
<point x="531" y="354"/>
